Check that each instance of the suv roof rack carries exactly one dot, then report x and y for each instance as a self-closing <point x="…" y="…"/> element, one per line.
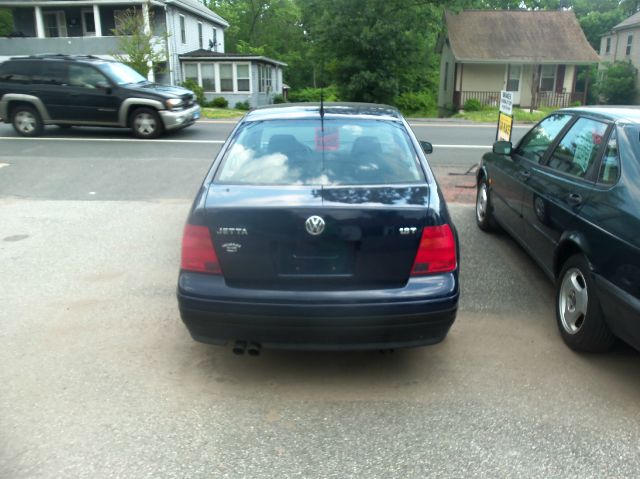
<point x="58" y="55"/>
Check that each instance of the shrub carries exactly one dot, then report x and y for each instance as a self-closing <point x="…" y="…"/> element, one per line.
<point x="329" y="93"/>
<point x="219" y="102"/>
<point x="192" y="85"/>
<point x="279" y="99"/>
<point x="472" y="105"/>
<point x="243" y="105"/>
<point x="617" y="85"/>
<point x="413" y="102"/>
<point x="576" y="103"/>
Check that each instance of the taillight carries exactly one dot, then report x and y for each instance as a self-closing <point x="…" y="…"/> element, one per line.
<point x="197" y="251"/>
<point x="437" y="251"/>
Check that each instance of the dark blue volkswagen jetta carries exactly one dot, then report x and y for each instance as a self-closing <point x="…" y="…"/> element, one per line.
<point x="320" y="228"/>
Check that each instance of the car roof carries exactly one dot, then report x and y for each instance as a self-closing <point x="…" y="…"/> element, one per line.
<point x="626" y="114"/>
<point x="331" y="109"/>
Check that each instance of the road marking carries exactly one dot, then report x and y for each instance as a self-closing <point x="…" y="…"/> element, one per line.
<point x="449" y="125"/>
<point x="472" y="147"/>
<point x="215" y="142"/>
<point x="419" y="124"/>
<point x="2" y="165"/>
<point x="120" y="140"/>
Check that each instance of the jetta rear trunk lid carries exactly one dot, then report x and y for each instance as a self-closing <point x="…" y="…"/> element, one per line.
<point x="314" y="237"/>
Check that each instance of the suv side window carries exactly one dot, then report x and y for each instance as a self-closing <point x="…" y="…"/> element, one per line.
<point x="610" y="166"/>
<point x="18" y="71"/>
<point x="85" y="76"/>
<point x="52" y="73"/>
<point x="534" y="146"/>
<point x="579" y="148"/>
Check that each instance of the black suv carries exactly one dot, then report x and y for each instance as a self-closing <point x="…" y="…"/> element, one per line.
<point x="89" y="91"/>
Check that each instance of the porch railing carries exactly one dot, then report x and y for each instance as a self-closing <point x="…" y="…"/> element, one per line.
<point x="559" y="100"/>
<point x="486" y="98"/>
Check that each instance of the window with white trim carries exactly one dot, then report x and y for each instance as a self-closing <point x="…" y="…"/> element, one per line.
<point x="208" y="72"/>
<point x="88" y="23"/>
<point x="608" y="45"/>
<point x="215" y="40"/>
<point x="547" y="77"/>
<point x="226" y="77"/>
<point x="629" y="44"/>
<point x="183" y="30"/>
<point x="55" y="24"/>
<point x="200" y="35"/>
<point x="243" y="81"/>
<point x="264" y="78"/>
<point x="191" y="72"/>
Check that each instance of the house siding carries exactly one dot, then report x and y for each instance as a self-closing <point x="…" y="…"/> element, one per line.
<point x="483" y="77"/>
<point x="192" y="40"/>
<point x="445" y="95"/>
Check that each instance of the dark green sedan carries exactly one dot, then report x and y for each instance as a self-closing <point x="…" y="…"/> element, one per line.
<point x="569" y="193"/>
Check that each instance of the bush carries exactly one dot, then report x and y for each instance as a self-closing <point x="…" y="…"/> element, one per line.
<point x="472" y="105"/>
<point x="219" y="102"/>
<point x="413" y="102"/>
<point x="243" y="105"/>
<point x="279" y="99"/>
<point x="192" y="85"/>
<point x="576" y="103"/>
<point x="618" y="84"/>
<point x="329" y="93"/>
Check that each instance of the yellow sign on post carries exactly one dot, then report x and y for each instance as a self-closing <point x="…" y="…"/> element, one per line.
<point x="505" y="123"/>
<point x="505" y="118"/>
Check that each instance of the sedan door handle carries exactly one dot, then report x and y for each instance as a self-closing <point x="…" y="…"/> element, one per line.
<point x="574" y="199"/>
<point x="524" y="174"/>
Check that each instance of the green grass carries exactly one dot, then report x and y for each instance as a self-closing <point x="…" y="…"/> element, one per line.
<point x="420" y="114"/>
<point x="490" y="115"/>
<point x="219" y="113"/>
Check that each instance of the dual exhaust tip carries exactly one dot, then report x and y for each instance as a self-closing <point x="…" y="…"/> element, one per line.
<point x="252" y="349"/>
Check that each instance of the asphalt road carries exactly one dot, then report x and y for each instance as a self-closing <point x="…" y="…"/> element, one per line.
<point x="100" y="379"/>
<point x="109" y="164"/>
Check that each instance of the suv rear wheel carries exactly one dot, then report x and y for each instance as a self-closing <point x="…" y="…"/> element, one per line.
<point x="146" y="123"/>
<point x="580" y="318"/>
<point x="26" y="120"/>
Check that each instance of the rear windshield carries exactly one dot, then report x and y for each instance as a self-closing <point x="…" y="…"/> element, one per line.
<point x="311" y="152"/>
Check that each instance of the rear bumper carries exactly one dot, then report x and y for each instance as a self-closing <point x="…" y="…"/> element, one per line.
<point x="621" y="309"/>
<point x="419" y="314"/>
<point x="174" y="120"/>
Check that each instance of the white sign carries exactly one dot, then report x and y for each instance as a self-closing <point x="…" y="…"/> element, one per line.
<point x="506" y="102"/>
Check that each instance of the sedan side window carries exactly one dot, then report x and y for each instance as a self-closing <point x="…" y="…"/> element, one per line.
<point x="577" y="151"/>
<point x="610" y="166"/>
<point x="534" y="146"/>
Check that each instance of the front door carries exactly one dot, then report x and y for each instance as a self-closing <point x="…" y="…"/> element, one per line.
<point x="514" y="76"/>
<point x="511" y="177"/>
<point x="90" y="100"/>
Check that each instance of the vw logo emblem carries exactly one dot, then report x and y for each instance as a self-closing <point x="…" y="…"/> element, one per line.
<point x="314" y="225"/>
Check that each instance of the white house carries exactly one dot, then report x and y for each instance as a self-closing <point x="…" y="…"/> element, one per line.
<point x="85" y="27"/>
<point x="534" y="54"/>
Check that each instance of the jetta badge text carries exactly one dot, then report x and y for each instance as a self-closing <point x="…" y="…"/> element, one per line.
<point x="314" y="225"/>
<point x="411" y="230"/>
<point x="232" y="231"/>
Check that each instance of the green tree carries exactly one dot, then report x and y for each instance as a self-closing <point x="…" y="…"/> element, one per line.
<point x="377" y="49"/>
<point x="6" y="22"/>
<point x="138" y="47"/>
<point x="268" y="27"/>
<point x="617" y="85"/>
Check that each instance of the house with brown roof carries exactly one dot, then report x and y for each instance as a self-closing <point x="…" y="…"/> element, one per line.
<point x="534" y="54"/>
<point x="622" y="43"/>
